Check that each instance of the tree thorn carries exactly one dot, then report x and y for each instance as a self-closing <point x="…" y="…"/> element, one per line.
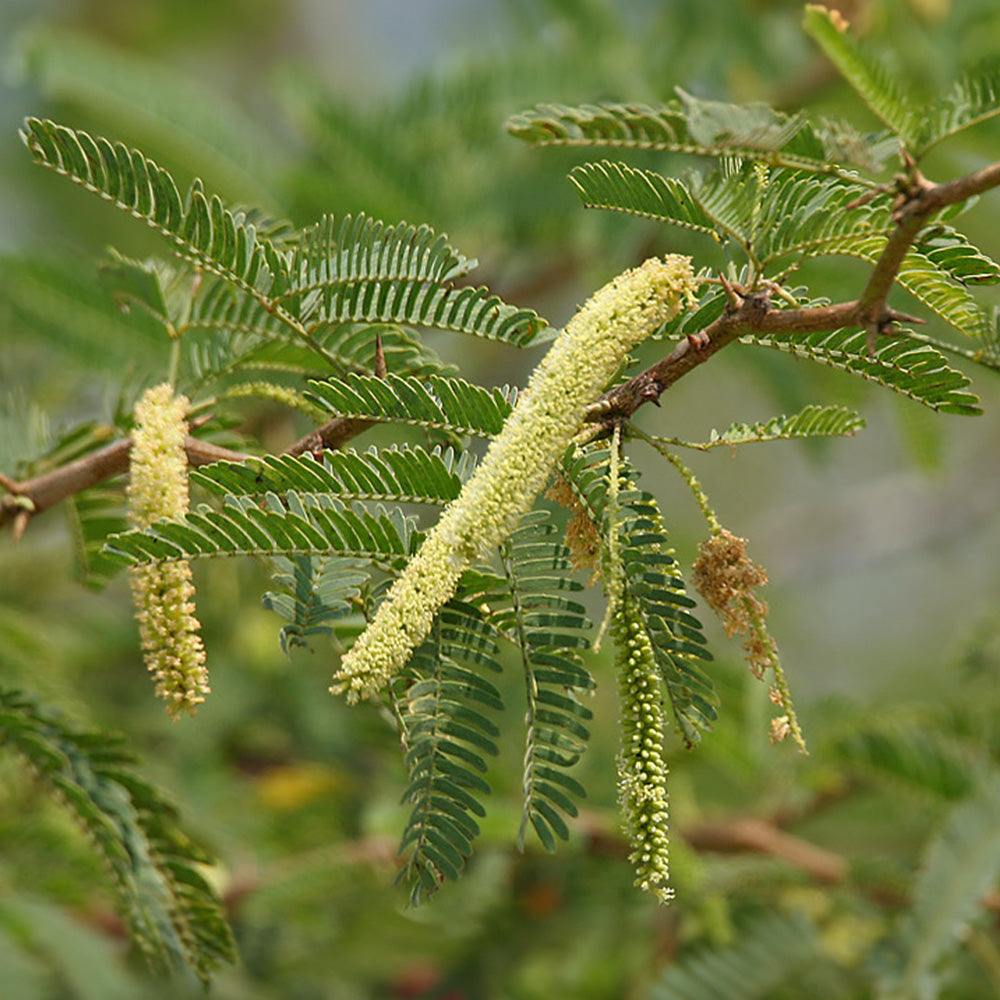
<point x="381" y="369"/>
<point x="20" y="524"/>
<point x="735" y="298"/>
<point x="698" y="341"/>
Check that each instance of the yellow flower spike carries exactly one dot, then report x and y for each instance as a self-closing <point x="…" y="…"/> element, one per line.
<point x="163" y="593"/>
<point x="548" y="413"/>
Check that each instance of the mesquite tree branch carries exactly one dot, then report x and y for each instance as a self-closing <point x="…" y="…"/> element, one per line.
<point x="752" y="313"/>
<point x="747" y="312"/>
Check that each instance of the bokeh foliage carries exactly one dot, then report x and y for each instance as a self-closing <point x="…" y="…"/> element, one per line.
<point x="298" y="795"/>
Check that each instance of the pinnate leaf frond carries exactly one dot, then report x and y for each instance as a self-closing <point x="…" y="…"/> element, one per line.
<point x="703" y="128"/>
<point x="974" y="98"/>
<point x="916" y="370"/>
<point x="201" y="228"/>
<point x="291" y="525"/>
<point x="398" y="475"/>
<point x="441" y="701"/>
<point x="362" y="248"/>
<point x="772" y="214"/>
<point x="435" y="403"/>
<point x="812" y="421"/>
<point x="536" y="610"/>
<point x="867" y="73"/>
<point x="656" y="588"/>
<point x="172" y="913"/>
<point x="312" y="592"/>
<point x="322" y="282"/>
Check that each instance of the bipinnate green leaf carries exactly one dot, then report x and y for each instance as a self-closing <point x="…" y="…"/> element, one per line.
<point x="291" y="525"/>
<point x="174" y="916"/>
<point x="201" y="228"/>
<point x="391" y="274"/>
<point x="920" y="124"/>
<point x="652" y="576"/>
<point x="703" y="128"/>
<point x="961" y="865"/>
<point x="813" y="421"/>
<point x="865" y="71"/>
<point x="312" y="592"/>
<point x="391" y="475"/>
<point x="777" y="216"/>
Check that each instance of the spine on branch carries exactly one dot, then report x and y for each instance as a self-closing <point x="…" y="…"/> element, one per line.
<point x="163" y="593"/>
<point x="548" y="414"/>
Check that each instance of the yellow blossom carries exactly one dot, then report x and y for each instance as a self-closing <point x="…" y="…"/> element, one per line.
<point x="163" y="592"/>
<point x="548" y="413"/>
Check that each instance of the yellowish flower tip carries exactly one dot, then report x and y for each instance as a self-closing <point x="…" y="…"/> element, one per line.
<point x="642" y="769"/>
<point x="158" y="485"/>
<point x="548" y="413"/>
<point x="163" y="593"/>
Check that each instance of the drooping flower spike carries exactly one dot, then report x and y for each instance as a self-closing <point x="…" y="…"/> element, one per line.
<point x="163" y="593"/>
<point x="518" y="463"/>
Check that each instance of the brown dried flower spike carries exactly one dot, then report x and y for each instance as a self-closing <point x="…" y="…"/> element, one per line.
<point x="726" y="578"/>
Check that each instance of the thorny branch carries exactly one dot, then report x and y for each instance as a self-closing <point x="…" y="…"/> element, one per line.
<point x="748" y="312"/>
<point x="753" y="312"/>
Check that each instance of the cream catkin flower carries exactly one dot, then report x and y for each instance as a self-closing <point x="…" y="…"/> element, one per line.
<point x="548" y="413"/>
<point x="163" y="592"/>
<point x="642" y="770"/>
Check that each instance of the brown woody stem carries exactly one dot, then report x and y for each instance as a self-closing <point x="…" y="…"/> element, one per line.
<point x="753" y="313"/>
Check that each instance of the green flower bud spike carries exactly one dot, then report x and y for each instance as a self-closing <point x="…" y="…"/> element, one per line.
<point x="642" y="769"/>
<point x="548" y="414"/>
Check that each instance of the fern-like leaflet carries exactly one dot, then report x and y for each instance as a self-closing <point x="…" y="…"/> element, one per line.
<point x="703" y="128"/>
<point x="173" y="914"/>
<point x="314" y="591"/>
<point x="920" y="125"/>
<point x="533" y="607"/>
<point x="811" y="422"/>
<point x="907" y="366"/>
<point x="287" y="526"/>
<point x="400" y="475"/>
<point x="435" y="403"/>
<point x="440" y="702"/>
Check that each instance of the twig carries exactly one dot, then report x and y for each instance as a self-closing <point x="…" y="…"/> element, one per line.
<point x="747" y="313"/>
<point x="33" y="496"/>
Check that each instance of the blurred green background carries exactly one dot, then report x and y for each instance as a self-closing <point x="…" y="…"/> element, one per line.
<point x="882" y="550"/>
